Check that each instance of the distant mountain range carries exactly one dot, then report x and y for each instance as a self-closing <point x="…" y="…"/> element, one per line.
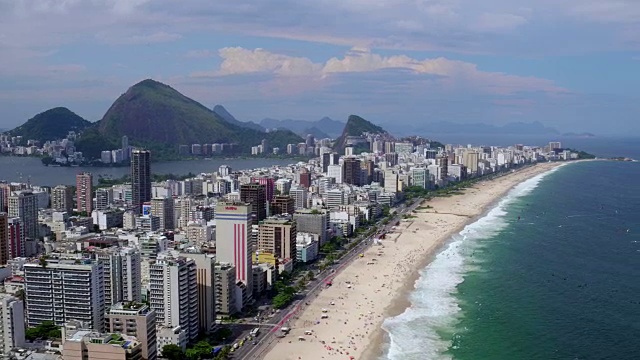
<point x="445" y="127"/>
<point x="226" y="116"/>
<point x="155" y="116"/>
<point x="323" y="128"/>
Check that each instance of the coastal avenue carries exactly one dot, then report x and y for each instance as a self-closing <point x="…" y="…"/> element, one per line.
<point x="282" y="318"/>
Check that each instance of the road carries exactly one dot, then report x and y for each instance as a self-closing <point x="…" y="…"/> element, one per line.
<point x="266" y="339"/>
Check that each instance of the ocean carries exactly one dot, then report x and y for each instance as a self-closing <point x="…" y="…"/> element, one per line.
<point x="560" y="283"/>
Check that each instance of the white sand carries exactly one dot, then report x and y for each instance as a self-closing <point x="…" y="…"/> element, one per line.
<point x="379" y="290"/>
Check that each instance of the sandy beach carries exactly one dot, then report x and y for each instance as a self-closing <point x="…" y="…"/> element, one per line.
<point x="376" y="286"/>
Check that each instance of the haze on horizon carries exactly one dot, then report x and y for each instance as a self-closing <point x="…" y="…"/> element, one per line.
<point x="572" y="65"/>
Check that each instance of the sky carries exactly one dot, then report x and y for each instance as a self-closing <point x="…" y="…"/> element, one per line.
<point x="571" y="64"/>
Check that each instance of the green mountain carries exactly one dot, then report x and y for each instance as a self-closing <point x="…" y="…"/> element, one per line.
<point x="157" y="116"/>
<point x="52" y="124"/>
<point x="356" y="126"/>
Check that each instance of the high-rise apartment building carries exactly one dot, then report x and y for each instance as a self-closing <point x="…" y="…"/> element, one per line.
<point x="336" y="172"/>
<point x="163" y="209"/>
<point x="278" y="237"/>
<point x="174" y="294"/>
<point x="61" y="290"/>
<point x="351" y="172"/>
<point x="62" y="198"/>
<point x="404" y="147"/>
<point x="122" y="274"/>
<point x="224" y="170"/>
<point x="4" y="196"/>
<point x="303" y="178"/>
<point x="15" y="238"/>
<point x="256" y="195"/>
<point x="140" y="178"/>
<point x="299" y="195"/>
<point x="135" y="319"/>
<point x="555" y="145"/>
<point x="334" y="198"/>
<point x="269" y="185"/>
<point x="325" y="161"/>
<point x="233" y="236"/>
<point x="443" y="164"/>
<point x="205" y="277"/>
<point x="282" y="204"/>
<point x="4" y="238"/>
<point x="84" y="192"/>
<point x="225" y="284"/>
<point x="471" y="159"/>
<point x="12" y="329"/>
<point x="24" y="205"/>
<point x="390" y="181"/>
<point x="104" y="197"/>
<point x="312" y="221"/>
<point x="420" y="177"/>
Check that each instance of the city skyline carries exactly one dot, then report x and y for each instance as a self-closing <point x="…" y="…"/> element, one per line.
<point x="398" y="62"/>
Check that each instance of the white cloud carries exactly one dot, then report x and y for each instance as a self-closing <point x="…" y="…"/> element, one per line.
<point x="453" y="73"/>
<point x="237" y="60"/>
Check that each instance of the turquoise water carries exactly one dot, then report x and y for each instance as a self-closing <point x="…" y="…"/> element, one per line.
<point x="563" y="282"/>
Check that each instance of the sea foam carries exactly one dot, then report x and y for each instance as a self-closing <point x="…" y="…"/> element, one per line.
<point x="417" y="333"/>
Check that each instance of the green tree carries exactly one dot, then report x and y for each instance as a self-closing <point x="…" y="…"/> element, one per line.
<point x="46" y="330"/>
<point x="172" y="352"/>
<point x="310" y="275"/>
<point x="192" y="354"/>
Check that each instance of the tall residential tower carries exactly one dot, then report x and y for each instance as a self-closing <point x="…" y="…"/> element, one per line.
<point x="140" y="178"/>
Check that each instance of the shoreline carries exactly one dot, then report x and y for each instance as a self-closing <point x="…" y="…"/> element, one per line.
<point x="401" y="302"/>
<point x="360" y="299"/>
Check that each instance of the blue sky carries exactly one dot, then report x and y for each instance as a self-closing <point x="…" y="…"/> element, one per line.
<point x="570" y="64"/>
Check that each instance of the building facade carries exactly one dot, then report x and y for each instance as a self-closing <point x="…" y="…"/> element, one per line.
<point x="4" y="238"/>
<point x="140" y="178"/>
<point x="12" y="329"/>
<point x="84" y="192"/>
<point x="282" y="204"/>
<point x="313" y="221"/>
<point x="225" y="285"/>
<point x="62" y="198"/>
<point x="63" y="291"/>
<point x="205" y="278"/>
<point x="233" y="236"/>
<point x="24" y="205"/>
<point x="163" y="209"/>
<point x="15" y="238"/>
<point x="135" y="319"/>
<point x="122" y="274"/>
<point x="278" y="237"/>
<point x="256" y="195"/>
<point x="173" y="294"/>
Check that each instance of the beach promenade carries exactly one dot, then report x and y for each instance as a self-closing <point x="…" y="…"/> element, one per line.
<point x="344" y="320"/>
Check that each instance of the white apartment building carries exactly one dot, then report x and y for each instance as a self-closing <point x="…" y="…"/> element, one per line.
<point x="12" y="330"/>
<point x="24" y="205"/>
<point x="233" y="240"/>
<point x="335" y="198"/>
<point x="173" y="294"/>
<point x="122" y="274"/>
<point x="299" y="195"/>
<point x="64" y="290"/>
<point x="335" y="171"/>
